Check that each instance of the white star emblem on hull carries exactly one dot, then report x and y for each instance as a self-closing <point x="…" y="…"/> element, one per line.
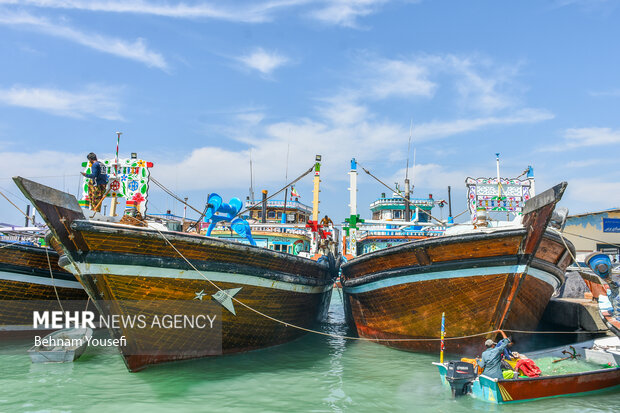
<point x="199" y="295"/>
<point x="224" y="297"/>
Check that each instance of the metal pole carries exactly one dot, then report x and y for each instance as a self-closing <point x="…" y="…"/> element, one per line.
<point x="443" y="335"/>
<point x="407" y="204"/>
<point x="499" y="182"/>
<point x="27" y="215"/>
<point x="315" y="192"/>
<point x="114" y="197"/>
<point x="449" y="204"/>
<point x="264" y="207"/>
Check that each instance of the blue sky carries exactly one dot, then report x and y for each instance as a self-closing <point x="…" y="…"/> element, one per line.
<point x="196" y="86"/>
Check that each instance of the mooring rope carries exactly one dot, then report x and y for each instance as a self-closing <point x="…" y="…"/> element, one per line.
<point x="277" y="192"/>
<point x="339" y="336"/>
<point x="202" y="213"/>
<point x="49" y="265"/>
<point x="400" y="196"/>
<point x="11" y="202"/>
<point x="593" y="239"/>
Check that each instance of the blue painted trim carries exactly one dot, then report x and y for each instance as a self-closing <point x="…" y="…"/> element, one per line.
<point x="406" y="279"/>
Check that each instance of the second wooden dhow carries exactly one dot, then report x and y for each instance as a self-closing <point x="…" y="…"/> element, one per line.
<point x="483" y="278"/>
<point x="131" y="270"/>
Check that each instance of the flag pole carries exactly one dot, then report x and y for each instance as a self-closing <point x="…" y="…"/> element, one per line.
<point x="443" y="335"/>
<point x="114" y="195"/>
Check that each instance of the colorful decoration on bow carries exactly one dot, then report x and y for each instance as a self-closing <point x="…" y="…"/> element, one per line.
<point x="129" y="179"/>
<point x="484" y="193"/>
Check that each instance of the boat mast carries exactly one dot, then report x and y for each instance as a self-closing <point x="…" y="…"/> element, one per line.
<point x="251" y="179"/>
<point x="313" y="224"/>
<point x="407" y="206"/>
<point x="114" y="198"/>
<point x="354" y="218"/>
<point x="499" y="182"/>
<point x="288" y="147"/>
<point x="315" y="191"/>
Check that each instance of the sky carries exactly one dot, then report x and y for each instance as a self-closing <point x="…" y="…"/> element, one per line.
<point x="199" y="88"/>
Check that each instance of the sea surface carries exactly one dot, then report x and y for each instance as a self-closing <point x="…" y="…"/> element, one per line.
<point x="312" y="374"/>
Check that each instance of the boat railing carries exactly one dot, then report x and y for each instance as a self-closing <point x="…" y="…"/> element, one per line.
<point x="275" y="228"/>
<point x="280" y="204"/>
<point x="400" y="201"/>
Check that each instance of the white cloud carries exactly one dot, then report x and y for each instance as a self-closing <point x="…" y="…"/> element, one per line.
<point x="434" y="130"/>
<point x="337" y="12"/>
<point x="593" y="194"/>
<point x="136" y="50"/>
<point x="399" y="78"/>
<point x="263" y="61"/>
<point x="584" y="137"/>
<point x="248" y="12"/>
<point x="481" y="84"/>
<point x="585" y="163"/>
<point x="346" y="12"/>
<point x="606" y="93"/>
<point x="37" y="164"/>
<point x="94" y="101"/>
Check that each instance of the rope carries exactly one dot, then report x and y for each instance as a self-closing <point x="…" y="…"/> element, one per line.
<point x="276" y="193"/>
<point x="11" y="202"/>
<point x="593" y="239"/>
<point x="172" y="194"/>
<point x="338" y="335"/>
<point x="49" y="265"/>
<point x="558" y="332"/>
<point x="400" y="196"/>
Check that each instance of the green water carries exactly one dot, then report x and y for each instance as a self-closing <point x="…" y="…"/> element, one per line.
<point x="315" y="374"/>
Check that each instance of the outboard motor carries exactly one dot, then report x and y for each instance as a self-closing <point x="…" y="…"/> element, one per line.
<point x="460" y="375"/>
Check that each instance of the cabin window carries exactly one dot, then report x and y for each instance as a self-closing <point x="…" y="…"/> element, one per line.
<point x="259" y="214"/>
<point x="397" y="214"/>
<point x="271" y="214"/>
<point x="279" y="215"/>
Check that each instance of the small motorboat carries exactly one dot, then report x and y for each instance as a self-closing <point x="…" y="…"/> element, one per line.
<point x="591" y="366"/>
<point x="62" y="346"/>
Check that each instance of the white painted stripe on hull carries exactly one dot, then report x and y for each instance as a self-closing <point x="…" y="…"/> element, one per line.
<point x="468" y="272"/>
<point x="32" y="279"/>
<point x="142" y="271"/>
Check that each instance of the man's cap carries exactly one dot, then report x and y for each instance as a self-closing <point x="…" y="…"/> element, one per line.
<point x="489" y="343"/>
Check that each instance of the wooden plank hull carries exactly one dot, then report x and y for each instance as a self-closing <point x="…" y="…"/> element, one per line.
<point x="120" y="265"/>
<point x="483" y="281"/>
<point x="26" y="285"/>
<point x="528" y="389"/>
<point x="519" y="390"/>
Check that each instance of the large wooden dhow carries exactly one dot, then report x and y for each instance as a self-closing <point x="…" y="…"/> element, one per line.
<point x="484" y="279"/>
<point x="122" y="267"/>
<point x="30" y="279"/>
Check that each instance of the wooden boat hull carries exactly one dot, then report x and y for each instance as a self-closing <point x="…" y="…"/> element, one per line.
<point x="528" y="389"/>
<point x="26" y="284"/>
<point x="119" y="264"/>
<point x="482" y="281"/>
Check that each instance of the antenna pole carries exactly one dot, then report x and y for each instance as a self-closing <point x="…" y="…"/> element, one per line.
<point x="409" y="149"/>
<point x="288" y="147"/>
<point x="251" y="179"/>
<point x="499" y="182"/>
<point x="407" y="186"/>
<point x="114" y="202"/>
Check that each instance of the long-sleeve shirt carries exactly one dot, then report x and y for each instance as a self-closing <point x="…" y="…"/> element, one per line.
<point x="491" y="360"/>
<point x="97" y="174"/>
